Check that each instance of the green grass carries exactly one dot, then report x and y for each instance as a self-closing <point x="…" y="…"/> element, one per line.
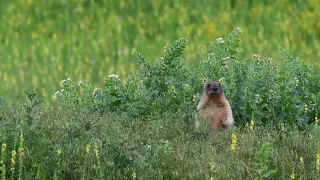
<point x="152" y="147"/>
<point x="43" y="43"/>
<point x="96" y="126"/>
<point x="145" y="128"/>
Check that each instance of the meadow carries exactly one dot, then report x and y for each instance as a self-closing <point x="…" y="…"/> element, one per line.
<point x="109" y="89"/>
<point x="45" y="42"/>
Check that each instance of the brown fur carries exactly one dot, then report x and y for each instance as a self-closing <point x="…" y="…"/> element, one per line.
<point x="215" y="107"/>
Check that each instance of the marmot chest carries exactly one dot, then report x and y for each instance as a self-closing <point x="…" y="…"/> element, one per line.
<point x="216" y="111"/>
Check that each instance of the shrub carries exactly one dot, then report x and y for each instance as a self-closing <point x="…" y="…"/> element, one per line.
<point x="287" y="90"/>
<point x="259" y="89"/>
<point x="163" y="86"/>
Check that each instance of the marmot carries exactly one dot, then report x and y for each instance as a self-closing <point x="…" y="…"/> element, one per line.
<point x="214" y="106"/>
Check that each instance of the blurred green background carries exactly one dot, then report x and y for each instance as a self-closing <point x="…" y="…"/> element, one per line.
<point x="45" y="41"/>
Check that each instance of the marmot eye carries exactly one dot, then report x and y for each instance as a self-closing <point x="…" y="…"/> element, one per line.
<point x="208" y="85"/>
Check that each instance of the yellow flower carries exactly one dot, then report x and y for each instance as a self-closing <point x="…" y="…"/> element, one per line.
<point x="251" y="124"/>
<point x="134" y="175"/>
<point x="301" y="159"/>
<point x="13" y="157"/>
<point x="281" y="126"/>
<point x="292" y="176"/>
<point x="316" y="121"/>
<point x="234" y="141"/>
<point x="212" y="166"/>
<point x="88" y="148"/>
<point x="21" y="150"/>
<point x="4" y="146"/>
<point x="318" y="161"/>
<point x="59" y="152"/>
<point x="204" y="80"/>
<point x="233" y="147"/>
<point x="234" y="138"/>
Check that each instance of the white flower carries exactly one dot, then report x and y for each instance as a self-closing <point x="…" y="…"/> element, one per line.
<point x="194" y="98"/>
<point x="65" y="80"/>
<point x="113" y="76"/>
<point x="221" y="79"/>
<point x="96" y="90"/>
<point x="56" y="94"/>
<point x="269" y="60"/>
<point x="172" y="89"/>
<point x="80" y="82"/>
<point x="238" y="29"/>
<point x="220" y="40"/>
<point x="256" y="57"/>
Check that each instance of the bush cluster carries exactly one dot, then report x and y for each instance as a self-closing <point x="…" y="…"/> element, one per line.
<point x="257" y="88"/>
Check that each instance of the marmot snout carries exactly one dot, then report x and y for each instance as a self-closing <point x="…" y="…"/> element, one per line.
<point x="214" y="106"/>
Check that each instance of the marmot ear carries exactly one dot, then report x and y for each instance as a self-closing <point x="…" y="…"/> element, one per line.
<point x="205" y="85"/>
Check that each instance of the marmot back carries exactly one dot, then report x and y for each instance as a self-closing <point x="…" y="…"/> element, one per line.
<point x="215" y="107"/>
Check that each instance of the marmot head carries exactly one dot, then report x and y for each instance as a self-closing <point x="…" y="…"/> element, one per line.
<point x="213" y="89"/>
